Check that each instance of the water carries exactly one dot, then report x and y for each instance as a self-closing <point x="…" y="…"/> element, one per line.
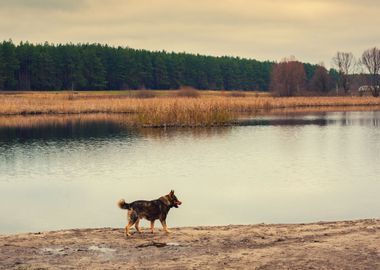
<point x="277" y="169"/>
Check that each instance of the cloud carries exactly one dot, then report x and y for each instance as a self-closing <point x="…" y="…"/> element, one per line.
<point x="42" y="4"/>
<point x="312" y="30"/>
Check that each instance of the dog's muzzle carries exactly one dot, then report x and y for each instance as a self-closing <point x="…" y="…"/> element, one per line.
<point x="177" y="203"/>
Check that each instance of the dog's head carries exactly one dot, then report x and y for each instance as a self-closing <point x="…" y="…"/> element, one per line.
<point x="174" y="202"/>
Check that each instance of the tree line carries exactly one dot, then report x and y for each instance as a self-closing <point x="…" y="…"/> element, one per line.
<point x="289" y="77"/>
<point x="27" y="66"/>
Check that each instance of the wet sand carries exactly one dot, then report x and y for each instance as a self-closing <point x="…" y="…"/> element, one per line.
<point x="324" y="245"/>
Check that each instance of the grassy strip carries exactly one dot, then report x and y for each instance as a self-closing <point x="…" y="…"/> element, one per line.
<point x="163" y="110"/>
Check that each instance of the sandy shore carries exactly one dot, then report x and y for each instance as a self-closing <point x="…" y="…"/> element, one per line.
<point x="325" y="245"/>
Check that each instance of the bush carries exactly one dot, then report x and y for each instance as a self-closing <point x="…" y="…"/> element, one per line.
<point x="237" y="94"/>
<point x="145" y="94"/>
<point x="188" y="92"/>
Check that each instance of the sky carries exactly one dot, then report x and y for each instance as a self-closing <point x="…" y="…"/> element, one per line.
<point x="312" y="31"/>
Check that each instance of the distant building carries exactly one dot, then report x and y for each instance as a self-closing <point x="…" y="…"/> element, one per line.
<point x="367" y="89"/>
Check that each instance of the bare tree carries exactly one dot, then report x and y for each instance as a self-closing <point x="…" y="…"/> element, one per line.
<point x="345" y="63"/>
<point x="288" y="77"/>
<point x="371" y="60"/>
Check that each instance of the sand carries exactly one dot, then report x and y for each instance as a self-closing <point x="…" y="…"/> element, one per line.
<point x="323" y="245"/>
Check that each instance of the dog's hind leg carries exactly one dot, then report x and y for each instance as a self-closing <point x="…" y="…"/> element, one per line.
<point x="152" y="226"/>
<point x="129" y="225"/>
<point x="132" y="218"/>
<point x="137" y="226"/>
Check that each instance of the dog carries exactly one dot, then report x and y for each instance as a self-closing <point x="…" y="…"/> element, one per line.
<point x="150" y="210"/>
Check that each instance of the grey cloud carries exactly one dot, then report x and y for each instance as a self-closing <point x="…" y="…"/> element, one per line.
<point x="312" y="30"/>
<point x="43" y="4"/>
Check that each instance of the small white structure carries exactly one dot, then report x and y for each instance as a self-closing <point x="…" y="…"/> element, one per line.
<point x="367" y="88"/>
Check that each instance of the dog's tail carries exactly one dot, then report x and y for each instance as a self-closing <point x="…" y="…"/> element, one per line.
<point x="123" y="205"/>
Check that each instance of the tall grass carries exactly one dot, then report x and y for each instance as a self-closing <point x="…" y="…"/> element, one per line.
<point x="31" y="121"/>
<point x="182" y="112"/>
<point x="164" y="110"/>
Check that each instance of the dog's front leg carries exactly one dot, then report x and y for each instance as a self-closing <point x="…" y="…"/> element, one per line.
<point x="152" y="226"/>
<point x="137" y="226"/>
<point x="164" y="226"/>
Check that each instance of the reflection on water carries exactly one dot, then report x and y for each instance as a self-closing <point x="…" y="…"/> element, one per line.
<point x="27" y="128"/>
<point x="69" y="172"/>
<point x="73" y="130"/>
<point x="81" y="127"/>
<point x="320" y="119"/>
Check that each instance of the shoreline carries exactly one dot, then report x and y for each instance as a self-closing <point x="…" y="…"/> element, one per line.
<point x="304" y="108"/>
<point x="351" y="244"/>
<point x="173" y="111"/>
<point x="40" y="119"/>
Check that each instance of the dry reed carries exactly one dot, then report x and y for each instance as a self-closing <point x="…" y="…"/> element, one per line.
<point x="36" y="121"/>
<point x="208" y="110"/>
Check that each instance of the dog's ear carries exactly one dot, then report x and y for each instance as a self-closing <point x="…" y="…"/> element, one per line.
<point x="171" y="192"/>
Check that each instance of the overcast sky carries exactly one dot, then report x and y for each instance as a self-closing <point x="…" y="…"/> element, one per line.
<point x="311" y="30"/>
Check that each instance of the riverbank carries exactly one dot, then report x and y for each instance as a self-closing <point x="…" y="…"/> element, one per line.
<point x="167" y="109"/>
<point x="325" y="245"/>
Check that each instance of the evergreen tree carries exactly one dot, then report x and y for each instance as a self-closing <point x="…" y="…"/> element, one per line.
<point x="175" y="70"/>
<point x="2" y="71"/>
<point x="320" y="81"/>
<point x="94" y="71"/>
<point x="161" y="78"/>
<point x="10" y="65"/>
<point x="43" y="75"/>
<point x="94" y="66"/>
<point x="25" y="58"/>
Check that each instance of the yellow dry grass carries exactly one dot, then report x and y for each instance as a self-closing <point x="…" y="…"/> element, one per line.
<point x="36" y="121"/>
<point x="167" y="110"/>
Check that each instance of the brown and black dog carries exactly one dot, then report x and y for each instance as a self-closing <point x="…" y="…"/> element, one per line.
<point x="150" y="210"/>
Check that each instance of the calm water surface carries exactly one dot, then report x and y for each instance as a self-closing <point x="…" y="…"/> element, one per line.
<point x="278" y="169"/>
